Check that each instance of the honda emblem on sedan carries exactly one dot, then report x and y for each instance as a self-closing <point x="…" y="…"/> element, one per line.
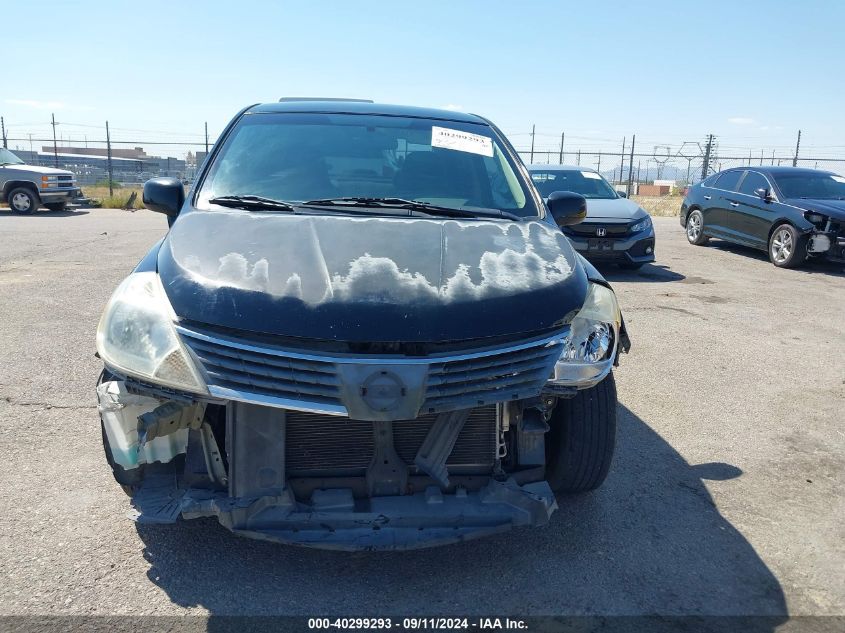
<point x="601" y="231"/>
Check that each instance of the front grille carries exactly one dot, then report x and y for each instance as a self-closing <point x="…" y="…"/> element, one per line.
<point x="240" y="370"/>
<point x="588" y="229"/>
<point x="324" y="446"/>
<point x="510" y="375"/>
<point x="268" y="372"/>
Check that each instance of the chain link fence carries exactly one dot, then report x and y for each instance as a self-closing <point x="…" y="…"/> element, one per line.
<point x="92" y="151"/>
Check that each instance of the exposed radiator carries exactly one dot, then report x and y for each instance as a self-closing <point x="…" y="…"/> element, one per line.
<point x="324" y="445"/>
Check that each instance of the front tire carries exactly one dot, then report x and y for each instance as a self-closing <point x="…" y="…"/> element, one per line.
<point x="695" y="229"/>
<point x="580" y="444"/>
<point x="787" y="248"/>
<point x="23" y="200"/>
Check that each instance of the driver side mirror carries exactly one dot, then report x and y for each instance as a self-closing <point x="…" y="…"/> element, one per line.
<point x="622" y="194"/>
<point x="164" y="195"/>
<point x="764" y="194"/>
<point x="566" y="207"/>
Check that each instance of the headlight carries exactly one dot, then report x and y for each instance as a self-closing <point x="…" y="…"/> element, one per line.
<point x="136" y="335"/>
<point x="815" y="218"/>
<point x="588" y="349"/>
<point x="642" y="225"/>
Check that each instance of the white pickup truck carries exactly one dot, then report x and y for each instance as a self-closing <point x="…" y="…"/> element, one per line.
<point x="27" y="187"/>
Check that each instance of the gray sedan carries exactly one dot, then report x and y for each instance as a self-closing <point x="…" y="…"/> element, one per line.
<point x="615" y="230"/>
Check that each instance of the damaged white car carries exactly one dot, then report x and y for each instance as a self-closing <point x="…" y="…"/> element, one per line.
<point x="364" y="330"/>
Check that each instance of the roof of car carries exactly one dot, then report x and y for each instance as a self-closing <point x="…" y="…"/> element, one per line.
<point x="360" y="107"/>
<point x="777" y="169"/>
<point x="541" y="167"/>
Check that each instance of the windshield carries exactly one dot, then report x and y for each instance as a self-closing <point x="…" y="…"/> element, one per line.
<point x="819" y="186"/>
<point x="587" y="183"/>
<point x="7" y="158"/>
<point x="301" y="157"/>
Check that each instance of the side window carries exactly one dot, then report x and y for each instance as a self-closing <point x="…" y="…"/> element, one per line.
<point x="710" y="180"/>
<point x="728" y="181"/>
<point x="752" y="182"/>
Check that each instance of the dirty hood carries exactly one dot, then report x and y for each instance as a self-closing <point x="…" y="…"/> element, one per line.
<point x="366" y="279"/>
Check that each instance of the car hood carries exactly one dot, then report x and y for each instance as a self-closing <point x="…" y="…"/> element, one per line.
<point x="35" y="169"/>
<point x="369" y="279"/>
<point x="832" y="208"/>
<point x="621" y="208"/>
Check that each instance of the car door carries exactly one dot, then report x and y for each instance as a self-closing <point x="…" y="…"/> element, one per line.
<point x="716" y="217"/>
<point x="748" y="212"/>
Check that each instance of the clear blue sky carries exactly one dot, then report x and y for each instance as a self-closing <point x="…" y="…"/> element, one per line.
<point x="751" y="72"/>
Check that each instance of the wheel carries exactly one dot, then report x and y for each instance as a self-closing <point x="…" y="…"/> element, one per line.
<point x="695" y="229"/>
<point x="56" y="206"/>
<point x="787" y="249"/>
<point x="23" y="200"/>
<point x="580" y="444"/>
<point x="630" y="266"/>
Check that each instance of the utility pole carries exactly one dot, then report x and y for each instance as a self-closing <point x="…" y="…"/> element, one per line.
<point x="531" y="160"/>
<point x="761" y="158"/>
<point x="33" y="157"/>
<point x="631" y="165"/>
<point x="3" y="127"/>
<point x="108" y="154"/>
<point x="705" y="167"/>
<point x="598" y="167"/>
<point x="206" y="139"/>
<point x="622" y="161"/>
<point x="578" y="158"/>
<point x="55" y="149"/>
<point x="562" y="137"/>
<point x="797" y="146"/>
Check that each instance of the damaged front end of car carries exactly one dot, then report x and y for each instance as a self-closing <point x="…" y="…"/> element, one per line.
<point x="331" y="448"/>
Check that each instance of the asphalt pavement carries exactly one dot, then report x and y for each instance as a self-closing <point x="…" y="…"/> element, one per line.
<point x="725" y="496"/>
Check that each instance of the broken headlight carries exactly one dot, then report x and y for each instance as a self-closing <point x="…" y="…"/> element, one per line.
<point x="589" y="347"/>
<point x="136" y="336"/>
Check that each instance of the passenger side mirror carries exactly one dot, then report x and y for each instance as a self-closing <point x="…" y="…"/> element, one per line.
<point x="164" y="195"/>
<point x="763" y="194"/>
<point x="566" y="207"/>
<point x="622" y="194"/>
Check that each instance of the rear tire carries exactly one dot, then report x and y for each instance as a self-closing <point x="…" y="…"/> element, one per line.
<point x="23" y="200"/>
<point x="580" y="444"/>
<point x="787" y="249"/>
<point x="56" y="206"/>
<point x="695" y="229"/>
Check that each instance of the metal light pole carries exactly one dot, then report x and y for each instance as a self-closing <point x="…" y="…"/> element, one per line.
<point x="108" y="154"/>
<point x="55" y="148"/>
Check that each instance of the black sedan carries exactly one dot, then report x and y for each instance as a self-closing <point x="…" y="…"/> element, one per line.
<point x="615" y="230"/>
<point x="791" y="212"/>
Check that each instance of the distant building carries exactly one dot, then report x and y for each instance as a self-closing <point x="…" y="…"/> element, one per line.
<point x="136" y="152"/>
<point x="91" y="167"/>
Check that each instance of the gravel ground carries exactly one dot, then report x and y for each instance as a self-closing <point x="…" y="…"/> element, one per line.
<point x="725" y="497"/>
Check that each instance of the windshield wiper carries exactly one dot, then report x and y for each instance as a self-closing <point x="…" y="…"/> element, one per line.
<point x="413" y="205"/>
<point x="253" y="203"/>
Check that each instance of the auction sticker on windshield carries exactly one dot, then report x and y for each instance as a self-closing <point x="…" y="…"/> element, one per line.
<point x="461" y="141"/>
